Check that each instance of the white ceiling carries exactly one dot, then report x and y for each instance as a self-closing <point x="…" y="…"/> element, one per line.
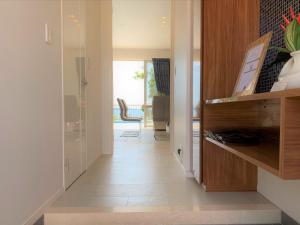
<point x="142" y="24"/>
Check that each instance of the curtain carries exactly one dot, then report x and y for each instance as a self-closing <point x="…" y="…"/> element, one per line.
<point x="162" y="75"/>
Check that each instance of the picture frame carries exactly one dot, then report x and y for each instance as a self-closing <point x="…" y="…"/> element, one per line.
<point x="251" y="66"/>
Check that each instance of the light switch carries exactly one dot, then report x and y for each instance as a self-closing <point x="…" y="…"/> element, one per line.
<point x="48" y="34"/>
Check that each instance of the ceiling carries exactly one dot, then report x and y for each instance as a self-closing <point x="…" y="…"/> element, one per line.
<point x="142" y="24"/>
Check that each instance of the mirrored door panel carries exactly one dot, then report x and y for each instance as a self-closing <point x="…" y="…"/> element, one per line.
<point x="82" y="62"/>
<point x="196" y="91"/>
<point x="74" y="94"/>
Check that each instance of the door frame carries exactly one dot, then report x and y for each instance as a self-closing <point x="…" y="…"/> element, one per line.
<point x="187" y="160"/>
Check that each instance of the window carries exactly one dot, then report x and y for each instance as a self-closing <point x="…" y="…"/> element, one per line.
<point x="134" y="82"/>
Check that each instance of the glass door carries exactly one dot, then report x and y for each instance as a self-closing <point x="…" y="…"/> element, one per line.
<point x="149" y="91"/>
<point x="196" y="92"/>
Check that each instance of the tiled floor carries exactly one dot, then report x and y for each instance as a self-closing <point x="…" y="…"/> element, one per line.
<point x="144" y="184"/>
<point x="143" y="173"/>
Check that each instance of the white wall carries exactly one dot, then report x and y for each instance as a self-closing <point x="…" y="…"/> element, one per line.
<point x="181" y="81"/>
<point x="31" y="166"/>
<point x="106" y="76"/>
<point x="94" y="128"/>
<point x="140" y="54"/>
<point x="285" y="194"/>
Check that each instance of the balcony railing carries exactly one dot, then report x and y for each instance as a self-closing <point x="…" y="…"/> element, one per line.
<point x="144" y="111"/>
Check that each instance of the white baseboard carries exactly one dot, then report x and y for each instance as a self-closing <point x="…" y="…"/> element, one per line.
<point x="41" y="210"/>
<point x="94" y="160"/>
<point x="189" y="173"/>
<point x="178" y="158"/>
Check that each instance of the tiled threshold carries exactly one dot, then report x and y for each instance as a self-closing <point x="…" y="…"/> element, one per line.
<point x="239" y="214"/>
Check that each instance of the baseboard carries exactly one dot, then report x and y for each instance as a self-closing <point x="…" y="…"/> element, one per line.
<point x="189" y="174"/>
<point x="178" y="159"/>
<point x="94" y="160"/>
<point x="41" y="210"/>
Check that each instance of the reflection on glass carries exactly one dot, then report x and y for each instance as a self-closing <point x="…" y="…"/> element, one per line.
<point x="196" y="91"/>
<point x="150" y="83"/>
<point x="74" y="91"/>
<point x="150" y="91"/>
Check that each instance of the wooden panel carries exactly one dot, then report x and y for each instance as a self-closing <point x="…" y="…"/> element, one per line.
<point x="252" y="114"/>
<point x="290" y="139"/>
<point x="229" y="26"/>
<point x="255" y="97"/>
<point x="264" y="155"/>
<point x="224" y="171"/>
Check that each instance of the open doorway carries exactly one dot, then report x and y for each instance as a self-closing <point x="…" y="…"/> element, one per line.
<point x="134" y="82"/>
<point x="142" y="49"/>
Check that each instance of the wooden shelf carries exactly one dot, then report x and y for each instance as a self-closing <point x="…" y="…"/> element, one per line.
<point x="265" y="155"/>
<point x="260" y="96"/>
<point x="277" y="112"/>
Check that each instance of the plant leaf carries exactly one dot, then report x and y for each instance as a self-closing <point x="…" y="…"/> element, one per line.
<point x="279" y="49"/>
<point x="290" y="36"/>
<point x="297" y="36"/>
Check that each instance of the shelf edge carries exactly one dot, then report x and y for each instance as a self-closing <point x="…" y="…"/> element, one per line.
<point x="245" y="157"/>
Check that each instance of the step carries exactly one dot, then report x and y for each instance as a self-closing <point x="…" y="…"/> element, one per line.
<point x="240" y="214"/>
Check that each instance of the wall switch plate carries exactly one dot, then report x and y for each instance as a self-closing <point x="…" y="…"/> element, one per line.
<point x="48" y="34"/>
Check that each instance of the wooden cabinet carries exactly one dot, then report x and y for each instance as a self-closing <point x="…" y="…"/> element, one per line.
<point x="277" y="114"/>
<point x="223" y="171"/>
<point x="228" y="27"/>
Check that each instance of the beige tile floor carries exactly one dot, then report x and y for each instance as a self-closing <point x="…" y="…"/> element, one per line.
<point x="144" y="174"/>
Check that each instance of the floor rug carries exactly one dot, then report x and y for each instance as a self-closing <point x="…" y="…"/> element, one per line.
<point x="129" y="133"/>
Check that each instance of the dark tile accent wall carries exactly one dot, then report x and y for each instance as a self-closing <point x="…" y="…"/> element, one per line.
<point x="271" y="12"/>
<point x="286" y="220"/>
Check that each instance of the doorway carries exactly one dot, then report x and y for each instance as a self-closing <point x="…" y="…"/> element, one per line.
<point x="134" y="82"/>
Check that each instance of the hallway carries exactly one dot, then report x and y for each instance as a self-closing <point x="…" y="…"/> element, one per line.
<point x="144" y="175"/>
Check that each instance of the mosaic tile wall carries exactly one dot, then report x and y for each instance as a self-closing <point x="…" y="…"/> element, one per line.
<point x="271" y="12"/>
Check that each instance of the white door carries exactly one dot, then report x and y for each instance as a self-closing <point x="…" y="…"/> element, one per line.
<point x="74" y="91"/>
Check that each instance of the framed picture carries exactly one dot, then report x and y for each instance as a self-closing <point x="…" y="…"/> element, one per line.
<point x="251" y="67"/>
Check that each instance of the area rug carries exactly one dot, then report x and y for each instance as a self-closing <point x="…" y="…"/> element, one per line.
<point x="130" y="133"/>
